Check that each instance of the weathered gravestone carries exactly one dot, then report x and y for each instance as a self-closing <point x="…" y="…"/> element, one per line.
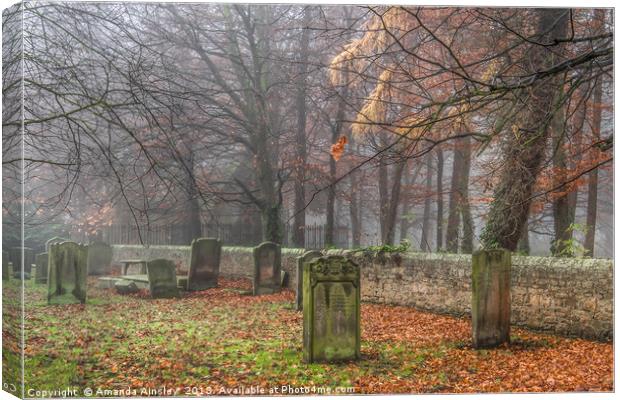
<point x="54" y="240"/>
<point x="66" y="279"/>
<point x="99" y="258"/>
<point x="162" y="278"/>
<point x="267" y="266"/>
<point x="41" y="260"/>
<point x="331" y="309"/>
<point x="204" y="266"/>
<point x="15" y="256"/>
<point x="490" y="309"/>
<point x="307" y="256"/>
<point x="5" y="266"/>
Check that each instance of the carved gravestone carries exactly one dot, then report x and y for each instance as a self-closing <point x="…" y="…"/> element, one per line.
<point x="267" y="267"/>
<point x="66" y="281"/>
<point x="162" y="278"/>
<point x="490" y="309"/>
<point x="307" y="256"/>
<point x="15" y="256"/>
<point x="99" y="258"/>
<point x="54" y="240"/>
<point x="5" y="266"/>
<point x="41" y="260"/>
<point x="331" y="310"/>
<point x="204" y="266"/>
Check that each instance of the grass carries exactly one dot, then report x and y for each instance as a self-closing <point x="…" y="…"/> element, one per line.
<point x="220" y="340"/>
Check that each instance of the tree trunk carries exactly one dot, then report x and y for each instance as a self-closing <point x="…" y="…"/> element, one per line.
<point x="524" y="151"/>
<point x="593" y="175"/>
<point x="354" y="212"/>
<point x="454" y="220"/>
<point x="439" y="240"/>
<point x="467" y="245"/>
<point x="394" y="200"/>
<point x="524" y="240"/>
<point x="300" y="176"/>
<point x="383" y="200"/>
<point x="426" y="219"/>
<point x="560" y="246"/>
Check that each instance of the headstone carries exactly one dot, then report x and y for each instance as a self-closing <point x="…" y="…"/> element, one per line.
<point x="204" y="266"/>
<point x="307" y="256"/>
<point x="162" y="278"/>
<point x="10" y="268"/>
<point x="5" y="266"/>
<point x="99" y="258"/>
<point x="66" y="280"/>
<point x="490" y="310"/>
<point x="125" y="287"/>
<point x="15" y="256"/>
<point x="267" y="266"/>
<point x="54" y="240"/>
<point x="41" y="260"/>
<point x="331" y="310"/>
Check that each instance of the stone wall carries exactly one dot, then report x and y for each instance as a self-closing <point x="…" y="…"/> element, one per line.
<point x="572" y="297"/>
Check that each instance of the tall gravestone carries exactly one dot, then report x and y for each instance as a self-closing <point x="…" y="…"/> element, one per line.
<point x="267" y="267"/>
<point x="5" y="266"/>
<point x="15" y="256"/>
<point x="490" y="309"/>
<point x="162" y="278"/>
<point x="306" y="257"/>
<point x="66" y="280"/>
<point x="204" y="266"/>
<point x="42" y="261"/>
<point x="54" y="240"/>
<point x="331" y="309"/>
<point x="99" y="258"/>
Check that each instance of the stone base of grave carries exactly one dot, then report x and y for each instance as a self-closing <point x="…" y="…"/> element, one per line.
<point x="182" y="282"/>
<point x="106" y="282"/>
<point x="125" y="287"/>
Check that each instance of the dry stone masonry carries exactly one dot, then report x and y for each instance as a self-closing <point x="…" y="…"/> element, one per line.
<point x="570" y="297"/>
<point x="99" y="258"/>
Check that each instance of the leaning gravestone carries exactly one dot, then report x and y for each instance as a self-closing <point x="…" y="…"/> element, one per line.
<point x="99" y="258"/>
<point x="267" y="266"/>
<point x="15" y="256"/>
<point x="204" y="266"/>
<point x="490" y="308"/>
<point x="307" y="256"/>
<point x="66" y="281"/>
<point x="331" y="309"/>
<point x="5" y="266"/>
<point x="41" y="260"/>
<point x="54" y="240"/>
<point x="162" y="278"/>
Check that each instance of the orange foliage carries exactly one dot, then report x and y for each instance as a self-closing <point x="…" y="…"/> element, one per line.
<point x="338" y="148"/>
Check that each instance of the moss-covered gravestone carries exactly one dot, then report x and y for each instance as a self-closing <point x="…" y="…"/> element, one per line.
<point x="15" y="256"/>
<point x="307" y="256"/>
<point x="66" y="279"/>
<point x="331" y="310"/>
<point x="204" y="266"/>
<point x="267" y="267"/>
<point x="490" y="309"/>
<point x="41" y="275"/>
<point x="54" y="240"/>
<point x="5" y="266"/>
<point x="99" y="258"/>
<point x="162" y="278"/>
